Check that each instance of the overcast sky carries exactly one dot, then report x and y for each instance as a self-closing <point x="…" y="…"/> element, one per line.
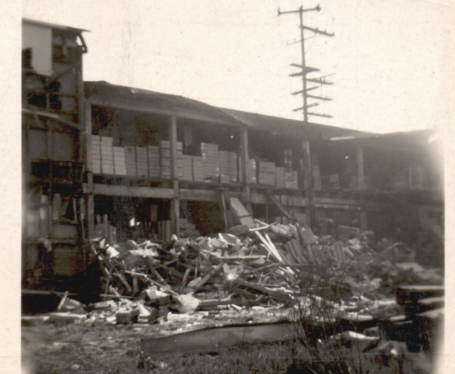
<point x="391" y="59"/>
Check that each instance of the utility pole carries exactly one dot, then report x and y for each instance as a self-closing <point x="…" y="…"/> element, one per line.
<point x="306" y="69"/>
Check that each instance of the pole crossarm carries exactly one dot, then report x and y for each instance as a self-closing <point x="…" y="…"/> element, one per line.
<point x="320" y="98"/>
<point x="320" y="115"/>
<point x="308" y="89"/>
<point x="306" y="107"/>
<point x="317" y="31"/>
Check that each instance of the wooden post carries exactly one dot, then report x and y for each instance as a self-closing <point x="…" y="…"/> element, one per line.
<point x="90" y="209"/>
<point x="245" y="166"/>
<point x="361" y="185"/>
<point x="88" y="137"/>
<point x="175" y="204"/>
<point x="81" y="113"/>
<point x="309" y="190"/>
<point x="360" y="169"/>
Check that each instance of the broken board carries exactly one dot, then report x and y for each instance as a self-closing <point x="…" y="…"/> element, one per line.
<point x="241" y="212"/>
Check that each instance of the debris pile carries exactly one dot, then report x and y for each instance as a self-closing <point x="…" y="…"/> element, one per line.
<point x="268" y="267"/>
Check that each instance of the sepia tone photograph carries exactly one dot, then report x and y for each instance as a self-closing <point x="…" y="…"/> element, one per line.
<point x="233" y="187"/>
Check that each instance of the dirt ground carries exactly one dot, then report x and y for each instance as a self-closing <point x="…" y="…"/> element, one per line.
<point x="104" y="349"/>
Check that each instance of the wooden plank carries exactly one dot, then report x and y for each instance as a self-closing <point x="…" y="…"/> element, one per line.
<point x="119" y="190"/>
<point x="328" y="201"/>
<point x="238" y="207"/>
<point x="199" y="195"/>
<point x="281" y="207"/>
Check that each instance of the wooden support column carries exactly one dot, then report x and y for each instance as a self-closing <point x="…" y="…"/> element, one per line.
<point x="90" y="200"/>
<point x="175" y="203"/>
<point x="90" y="208"/>
<point x="308" y="180"/>
<point x="245" y="168"/>
<point x="360" y="169"/>
<point x="81" y="114"/>
<point x="361" y="184"/>
<point x="88" y="137"/>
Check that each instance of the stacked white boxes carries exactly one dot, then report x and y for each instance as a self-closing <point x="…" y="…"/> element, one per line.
<point x="291" y="180"/>
<point x="165" y="159"/>
<point x="141" y="162"/>
<point x="280" y="177"/>
<point x="130" y="161"/>
<point x="211" y="162"/>
<point x="252" y="178"/>
<point x="153" y="152"/>
<point x="198" y="169"/>
<point x="266" y="173"/>
<point x="228" y="167"/>
<point x="96" y="154"/>
<point x="107" y="155"/>
<point x="187" y="172"/>
<point x="119" y="161"/>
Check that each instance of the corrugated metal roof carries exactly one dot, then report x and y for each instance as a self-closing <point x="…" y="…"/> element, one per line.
<point x="52" y="25"/>
<point x="134" y="98"/>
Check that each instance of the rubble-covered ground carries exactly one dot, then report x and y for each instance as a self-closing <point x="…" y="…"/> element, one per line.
<point x="104" y="348"/>
<point x="264" y="274"/>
